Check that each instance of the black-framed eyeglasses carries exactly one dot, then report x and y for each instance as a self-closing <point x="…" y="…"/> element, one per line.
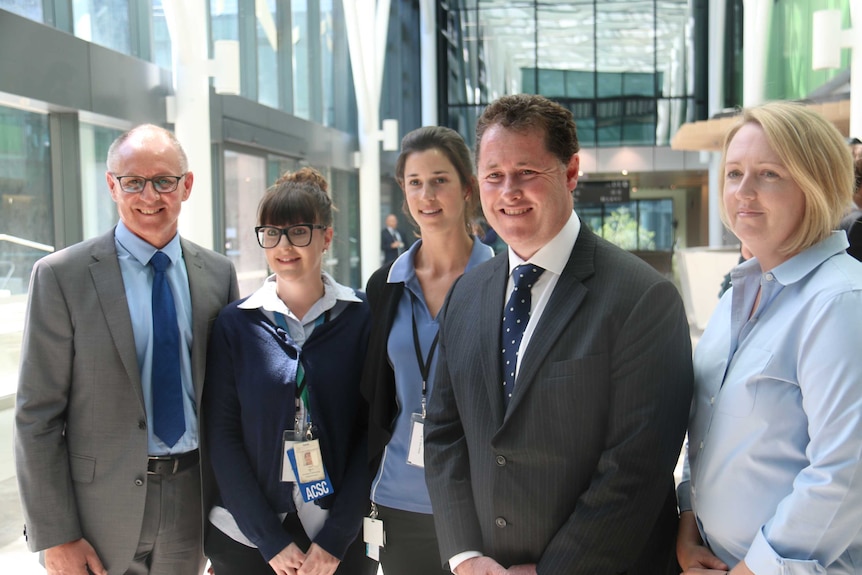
<point x="299" y="235"/>
<point x="161" y="184"/>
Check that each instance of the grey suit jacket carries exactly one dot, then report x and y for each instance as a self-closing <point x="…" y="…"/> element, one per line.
<point x="577" y="474"/>
<point x="80" y="425"/>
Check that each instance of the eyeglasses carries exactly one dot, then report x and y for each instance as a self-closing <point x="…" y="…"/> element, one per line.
<point x="161" y="184"/>
<point x="299" y="235"/>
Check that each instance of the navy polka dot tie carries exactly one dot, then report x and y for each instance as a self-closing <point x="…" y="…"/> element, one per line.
<point x="515" y="317"/>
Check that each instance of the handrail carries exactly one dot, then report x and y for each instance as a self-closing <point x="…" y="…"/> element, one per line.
<point x="26" y="243"/>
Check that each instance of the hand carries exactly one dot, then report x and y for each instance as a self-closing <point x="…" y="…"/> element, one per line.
<point x="319" y="562"/>
<point x="480" y="566"/>
<point x="690" y="550"/>
<point x="73" y="558"/>
<point x="288" y="561"/>
<point x="526" y="569"/>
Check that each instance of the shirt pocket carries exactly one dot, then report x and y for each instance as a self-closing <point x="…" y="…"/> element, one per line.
<point x="739" y="390"/>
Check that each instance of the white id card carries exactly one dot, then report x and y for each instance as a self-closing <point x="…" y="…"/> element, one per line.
<point x="416" y="447"/>
<point x="309" y="461"/>
<point x="372" y="532"/>
<point x="286" y="468"/>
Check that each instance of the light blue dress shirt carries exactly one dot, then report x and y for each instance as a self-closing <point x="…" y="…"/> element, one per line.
<point x="134" y="254"/>
<point x="775" y="437"/>
<point x="398" y="484"/>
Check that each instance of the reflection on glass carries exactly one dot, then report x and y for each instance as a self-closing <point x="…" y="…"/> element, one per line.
<point x="301" y="55"/>
<point x="161" y="37"/>
<point x="266" y="17"/>
<point x="327" y="59"/>
<point x="99" y="210"/>
<point x="26" y="225"/>
<point x="31" y="9"/>
<point x="244" y="185"/>
<point x="103" y="22"/>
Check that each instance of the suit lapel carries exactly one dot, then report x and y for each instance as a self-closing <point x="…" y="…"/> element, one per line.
<point x="108" y="283"/>
<point x="567" y="297"/>
<point x="198" y="290"/>
<point x="491" y="302"/>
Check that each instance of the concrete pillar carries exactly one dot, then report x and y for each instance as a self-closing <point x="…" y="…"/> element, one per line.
<point x="428" y="55"/>
<point x="186" y="20"/>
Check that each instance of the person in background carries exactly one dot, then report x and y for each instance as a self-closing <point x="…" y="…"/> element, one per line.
<point x="440" y="196"/>
<point x="286" y="422"/>
<point x="554" y="453"/>
<point x="390" y="240"/>
<point x="850" y="223"/>
<point x="773" y="479"/>
<point x="107" y="426"/>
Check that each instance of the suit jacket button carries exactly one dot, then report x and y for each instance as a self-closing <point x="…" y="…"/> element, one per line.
<point x="501" y="461"/>
<point x="500" y="522"/>
<point x="142" y="424"/>
<point x="139" y="481"/>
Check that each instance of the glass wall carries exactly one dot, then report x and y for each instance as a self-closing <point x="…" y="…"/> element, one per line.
<point x="638" y="225"/>
<point x="26" y="225"/>
<point x="31" y="9"/>
<point x="99" y="211"/>
<point x="245" y="183"/>
<point x="103" y="22"/>
<point x="624" y="67"/>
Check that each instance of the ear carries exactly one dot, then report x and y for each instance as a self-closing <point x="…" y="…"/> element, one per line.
<point x="572" y="172"/>
<point x="327" y="237"/>
<point x="112" y="186"/>
<point x="188" y="181"/>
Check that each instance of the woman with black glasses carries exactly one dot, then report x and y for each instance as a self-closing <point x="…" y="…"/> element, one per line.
<point x="285" y="423"/>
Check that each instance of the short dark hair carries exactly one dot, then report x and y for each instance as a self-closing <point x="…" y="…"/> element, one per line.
<point x="297" y="198"/>
<point x="524" y="112"/>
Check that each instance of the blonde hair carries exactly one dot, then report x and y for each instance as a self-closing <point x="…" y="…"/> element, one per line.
<point x="815" y="155"/>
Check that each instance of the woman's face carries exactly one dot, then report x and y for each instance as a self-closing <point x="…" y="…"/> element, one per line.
<point x="764" y="204"/>
<point x="434" y="193"/>
<point x="291" y="263"/>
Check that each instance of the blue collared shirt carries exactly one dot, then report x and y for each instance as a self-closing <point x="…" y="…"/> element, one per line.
<point x="775" y="437"/>
<point x="399" y="485"/>
<point x="134" y="254"/>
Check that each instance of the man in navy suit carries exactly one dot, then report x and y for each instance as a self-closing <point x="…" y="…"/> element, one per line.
<point x="390" y="240"/>
<point x="571" y="470"/>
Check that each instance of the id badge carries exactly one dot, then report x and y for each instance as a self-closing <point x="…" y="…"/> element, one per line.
<point x="307" y="464"/>
<point x="374" y="537"/>
<point x="288" y="442"/>
<point x="416" y="447"/>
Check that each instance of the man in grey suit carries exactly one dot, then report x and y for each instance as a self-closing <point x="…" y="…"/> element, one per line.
<point x="102" y="492"/>
<point x="563" y="462"/>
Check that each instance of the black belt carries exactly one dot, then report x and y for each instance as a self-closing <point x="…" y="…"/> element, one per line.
<point x="172" y="464"/>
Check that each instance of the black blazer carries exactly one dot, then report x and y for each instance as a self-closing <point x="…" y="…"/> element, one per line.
<point x="577" y="475"/>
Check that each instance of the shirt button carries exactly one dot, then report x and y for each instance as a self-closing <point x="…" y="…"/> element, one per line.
<point x="501" y="461"/>
<point x="500" y="522"/>
<point x="769" y="277"/>
<point x="701" y="445"/>
<point x="712" y="400"/>
<point x="139" y="482"/>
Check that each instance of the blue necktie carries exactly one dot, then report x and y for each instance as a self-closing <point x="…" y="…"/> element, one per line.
<point x="168" y="419"/>
<point x="515" y="317"/>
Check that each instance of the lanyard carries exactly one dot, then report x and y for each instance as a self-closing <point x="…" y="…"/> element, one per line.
<point x="301" y="387"/>
<point x="424" y="364"/>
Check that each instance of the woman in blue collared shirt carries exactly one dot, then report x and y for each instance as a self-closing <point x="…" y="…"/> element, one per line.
<point x="440" y="196"/>
<point x="774" y="480"/>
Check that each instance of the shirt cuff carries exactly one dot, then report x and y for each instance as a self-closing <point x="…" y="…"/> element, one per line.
<point x="762" y="559"/>
<point x="683" y="496"/>
<point x="461" y="557"/>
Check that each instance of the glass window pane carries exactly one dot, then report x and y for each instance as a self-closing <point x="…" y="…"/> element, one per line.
<point x="245" y="184"/>
<point x="99" y="210"/>
<point x="656" y="224"/>
<point x="267" y="50"/>
<point x="161" y="37"/>
<point x="327" y="60"/>
<point x="301" y="56"/>
<point x="620" y="225"/>
<point x="344" y="254"/>
<point x="103" y="22"/>
<point x="26" y="225"/>
<point x="31" y="9"/>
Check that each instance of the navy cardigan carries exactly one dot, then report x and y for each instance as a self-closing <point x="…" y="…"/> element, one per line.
<point x="249" y="402"/>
